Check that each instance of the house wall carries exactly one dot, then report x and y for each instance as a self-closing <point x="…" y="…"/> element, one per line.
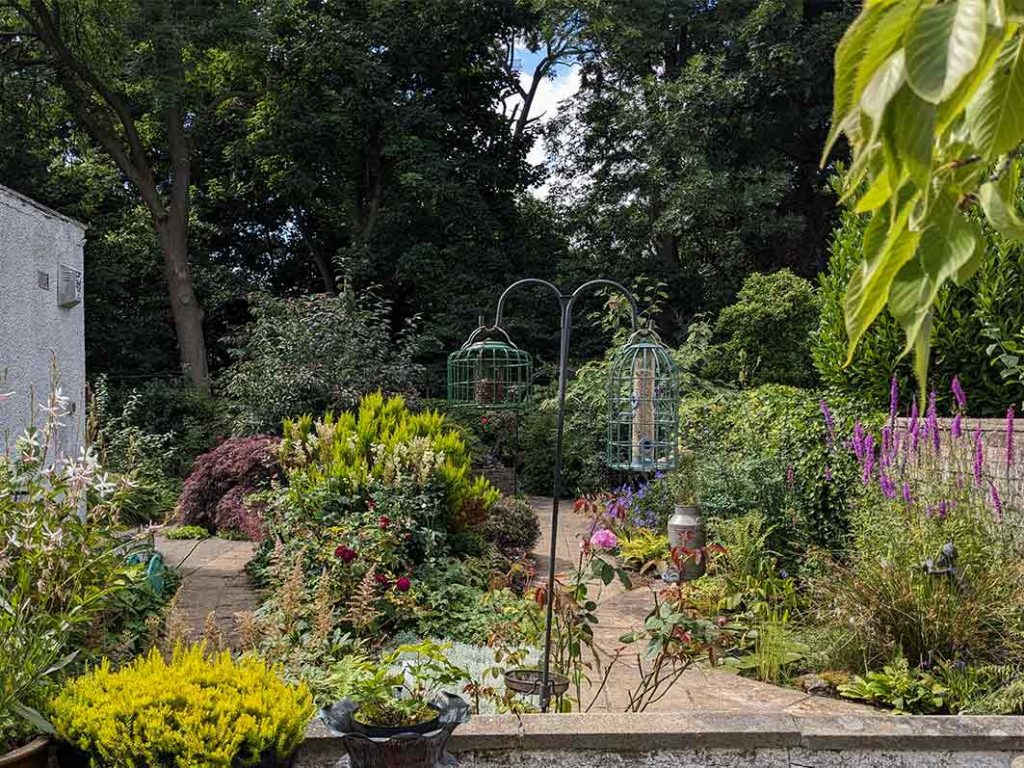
<point x="35" y="330"/>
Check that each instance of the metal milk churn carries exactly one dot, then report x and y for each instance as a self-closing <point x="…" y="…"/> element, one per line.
<point x="686" y="533"/>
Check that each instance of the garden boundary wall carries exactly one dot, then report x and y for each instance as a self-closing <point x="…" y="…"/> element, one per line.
<point x="722" y="740"/>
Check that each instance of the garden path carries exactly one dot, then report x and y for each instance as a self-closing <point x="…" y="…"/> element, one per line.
<point x="621" y="610"/>
<point x="213" y="581"/>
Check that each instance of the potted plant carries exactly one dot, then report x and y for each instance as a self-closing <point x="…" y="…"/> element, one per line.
<point x="685" y="528"/>
<point x="400" y="714"/>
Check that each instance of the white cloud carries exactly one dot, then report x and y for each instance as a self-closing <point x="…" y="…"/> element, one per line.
<point x="550" y="93"/>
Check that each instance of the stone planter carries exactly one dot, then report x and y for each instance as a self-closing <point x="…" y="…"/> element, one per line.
<point x="401" y="750"/>
<point x="35" y="754"/>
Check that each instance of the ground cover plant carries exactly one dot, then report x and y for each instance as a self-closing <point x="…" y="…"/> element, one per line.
<point x="190" y="709"/>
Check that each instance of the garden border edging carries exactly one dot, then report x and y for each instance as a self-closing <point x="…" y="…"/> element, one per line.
<point x="656" y="732"/>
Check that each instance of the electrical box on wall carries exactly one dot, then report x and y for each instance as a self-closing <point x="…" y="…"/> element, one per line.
<point x="69" y="287"/>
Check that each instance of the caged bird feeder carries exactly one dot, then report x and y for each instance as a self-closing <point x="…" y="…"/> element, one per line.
<point x="643" y="407"/>
<point x="643" y="401"/>
<point x="489" y="371"/>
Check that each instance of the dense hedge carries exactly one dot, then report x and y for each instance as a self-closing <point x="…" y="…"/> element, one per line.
<point x="769" y="449"/>
<point x="764" y="337"/>
<point x="990" y="303"/>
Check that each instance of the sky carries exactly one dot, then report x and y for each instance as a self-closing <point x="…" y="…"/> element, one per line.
<point x="550" y="92"/>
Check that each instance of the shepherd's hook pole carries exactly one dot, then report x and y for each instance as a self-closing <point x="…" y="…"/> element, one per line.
<point x="565" y="304"/>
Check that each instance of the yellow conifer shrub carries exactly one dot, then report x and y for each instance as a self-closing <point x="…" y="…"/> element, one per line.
<point x="193" y="711"/>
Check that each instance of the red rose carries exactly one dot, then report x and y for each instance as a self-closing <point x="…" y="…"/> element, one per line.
<point x="371" y="503"/>
<point x="345" y="554"/>
<point x="384" y="521"/>
<point x="381" y="579"/>
<point x="403" y="584"/>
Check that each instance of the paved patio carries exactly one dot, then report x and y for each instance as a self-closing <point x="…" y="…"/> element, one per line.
<point x="214" y="581"/>
<point x="620" y="611"/>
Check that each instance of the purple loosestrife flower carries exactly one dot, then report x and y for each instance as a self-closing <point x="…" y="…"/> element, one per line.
<point x="869" y="459"/>
<point x="886" y="452"/>
<point x="979" y="455"/>
<point x="997" y="503"/>
<point x="1009" y="436"/>
<point x="907" y="496"/>
<point x="894" y="399"/>
<point x="956" y="428"/>
<point x="790" y="477"/>
<point x="887" y="485"/>
<point x="828" y="474"/>
<point x="830" y="425"/>
<point x="933" y="421"/>
<point x="958" y="392"/>
<point x="858" y="441"/>
<point x="915" y="425"/>
<point x="943" y="509"/>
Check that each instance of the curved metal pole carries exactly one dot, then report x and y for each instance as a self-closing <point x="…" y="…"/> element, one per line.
<point x="565" y="302"/>
<point x="525" y="281"/>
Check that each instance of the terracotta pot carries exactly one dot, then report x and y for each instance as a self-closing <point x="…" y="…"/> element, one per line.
<point x="33" y="755"/>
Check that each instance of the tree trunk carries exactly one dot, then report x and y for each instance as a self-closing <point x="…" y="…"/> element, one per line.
<point x="172" y="235"/>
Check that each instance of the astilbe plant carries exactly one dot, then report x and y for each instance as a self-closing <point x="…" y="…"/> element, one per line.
<point x="215" y="493"/>
<point x="933" y="571"/>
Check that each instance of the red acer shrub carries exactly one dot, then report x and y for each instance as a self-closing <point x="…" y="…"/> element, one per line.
<point x="215" y="491"/>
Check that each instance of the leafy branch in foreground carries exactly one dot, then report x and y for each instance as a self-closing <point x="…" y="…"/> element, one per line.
<point x="930" y="96"/>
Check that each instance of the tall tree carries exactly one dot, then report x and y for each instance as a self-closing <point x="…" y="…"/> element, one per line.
<point x="138" y="76"/>
<point x="689" y="153"/>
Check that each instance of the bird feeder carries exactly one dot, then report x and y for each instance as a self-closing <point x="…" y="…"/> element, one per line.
<point x="489" y="371"/>
<point x="643" y="407"/>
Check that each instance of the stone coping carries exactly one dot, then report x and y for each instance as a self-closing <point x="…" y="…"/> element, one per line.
<point x="612" y="732"/>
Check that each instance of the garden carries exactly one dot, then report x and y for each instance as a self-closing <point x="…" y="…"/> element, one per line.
<point x="775" y="441"/>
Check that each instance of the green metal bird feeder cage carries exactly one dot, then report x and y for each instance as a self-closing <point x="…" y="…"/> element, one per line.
<point x="643" y="407"/>
<point x="489" y="371"/>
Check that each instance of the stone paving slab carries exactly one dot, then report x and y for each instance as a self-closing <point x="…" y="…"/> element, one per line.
<point x="213" y="581"/>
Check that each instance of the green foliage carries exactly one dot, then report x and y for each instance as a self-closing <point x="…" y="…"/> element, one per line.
<point x="769" y="450"/>
<point x="929" y="97"/>
<point x="899" y="688"/>
<point x="765" y="333"/>
<point x="643" y="549"/>
<point x="315" y="353"/>
<point x="192" y="709"/>
<point x="512" y="526"/>
<point x="424" y="674"/>
<point x="187" y="532"/>
<point x="690" y="152"/>
<point x="984" y="307"/>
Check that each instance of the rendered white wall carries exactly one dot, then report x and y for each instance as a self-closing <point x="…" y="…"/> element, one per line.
<point x="34" y="328"/>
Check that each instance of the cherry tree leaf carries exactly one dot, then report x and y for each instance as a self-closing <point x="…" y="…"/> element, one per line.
<point x="944" y="43"/>
<point x="996" y="115"/>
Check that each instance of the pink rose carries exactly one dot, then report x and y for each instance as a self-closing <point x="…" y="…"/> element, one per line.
<point x="604" y="539"/>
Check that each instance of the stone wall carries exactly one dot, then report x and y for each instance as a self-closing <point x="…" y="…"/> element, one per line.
<point x="40" y="257"/>
<point x="722" y="740"/>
